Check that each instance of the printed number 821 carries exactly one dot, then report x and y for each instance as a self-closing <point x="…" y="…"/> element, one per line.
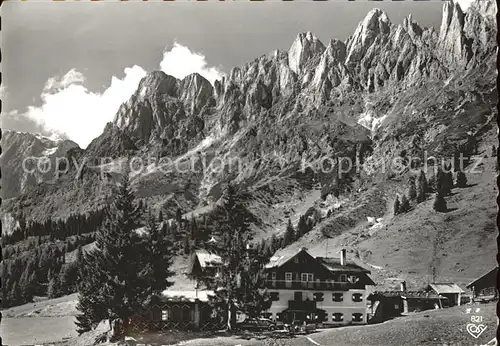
<point x="476" y="319"/>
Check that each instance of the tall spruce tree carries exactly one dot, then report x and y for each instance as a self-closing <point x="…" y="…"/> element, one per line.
<point x="439" y="203"/>
<point x="461" y="179"/>
<point x="289" y="233"/>
<point x="422" y="188"/>
<point x="412" y="189"/>
<point x="302" y="227"/>
<point x="158" y="259"/>
<point x="397" y="206"/>
<point x="441" y="187"/>
<point x="54" y="289"/>
<point x="120" y="271"/>
<point x="240" y="283"/>
<point x="448" y="182"/>
<point x="405" y="204"/>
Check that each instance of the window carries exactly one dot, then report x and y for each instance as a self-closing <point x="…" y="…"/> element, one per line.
<point x="357" y="297"/>
<point x="307" y="277"/>
<point x="164" y="315"/>
<point x="288" y="276"/>
<point x="357" y="317"/>
<point x="337" y="317"/>
<point x="273" y="275"/>
<point x="318" y="297"/>
<point x="337" y="297"/>
<point x="296" y="260"/>
<point x="343" y="278"/>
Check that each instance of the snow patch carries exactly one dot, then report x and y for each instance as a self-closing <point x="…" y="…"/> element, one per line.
<point x="369" y="121"/>
<point x="49" y="151"/>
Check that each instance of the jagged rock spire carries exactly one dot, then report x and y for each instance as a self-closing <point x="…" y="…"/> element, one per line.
<point x="305" y="47"/>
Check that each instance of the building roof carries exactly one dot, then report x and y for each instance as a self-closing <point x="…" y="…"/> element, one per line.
<point x="407" y="294"/>
<point x="446" y="288"/>
<point x="207" y="259"/>
<point x="493" y="271"/>
<point x="187" y="295"/>
<point x="281" y="257"/>
<point x="330" y="263"/>
<point x="333" y="265"/>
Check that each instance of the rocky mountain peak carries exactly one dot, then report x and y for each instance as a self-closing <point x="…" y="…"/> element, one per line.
<point x="157" y="83"/>
<point x="195" y="91"/>
<point x="375" y="24"/>
<point x="465" y="37"/>
<point x="336" y="50"/>
<point x="305" y="47"/>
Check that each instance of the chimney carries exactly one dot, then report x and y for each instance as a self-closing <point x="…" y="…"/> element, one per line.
<point x="343" y="254"/>
<point x="403" y="286"/>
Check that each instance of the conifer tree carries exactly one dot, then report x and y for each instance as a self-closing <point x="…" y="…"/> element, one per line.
<point x="119" y="272"/>
<point x="412" y="189"/>
<point x="448" y="183"/>
<point x="238" y="284"/>
<point x="423" y="187"/>
<point x="186" y="244"/>
<point x="289" y="234"/>
<point x="405" y="204"/>
<point x="440" y="203"/>
<point x="158" y="259"/>
<point x="397" y="206"/>
<point x="461" y="179"/>
<point x="54" y="289"/>
<point x="441" y="187"/>
<point x="302" y="227"/>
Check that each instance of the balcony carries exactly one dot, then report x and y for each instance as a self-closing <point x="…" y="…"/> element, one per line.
<point x="312" y="285"/>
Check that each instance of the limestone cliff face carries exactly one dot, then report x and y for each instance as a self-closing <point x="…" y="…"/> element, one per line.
<point x="379" y="55"/>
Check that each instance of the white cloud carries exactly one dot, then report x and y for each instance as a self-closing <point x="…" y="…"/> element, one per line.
<point x="72" y="77"/>
<point x="181" y="61"/>
<point x="70" y="109"/>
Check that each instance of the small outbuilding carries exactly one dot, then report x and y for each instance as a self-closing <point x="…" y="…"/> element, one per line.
<point x="390" y="304"/>
<point x="204" y="263"/>
<point x="484" y="288"/>
<point x="449" y="290"/>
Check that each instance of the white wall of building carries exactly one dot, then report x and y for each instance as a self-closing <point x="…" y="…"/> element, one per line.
<point x="347" y="306"/>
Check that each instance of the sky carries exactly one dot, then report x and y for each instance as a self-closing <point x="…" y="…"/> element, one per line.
<point x="67" y="66"/>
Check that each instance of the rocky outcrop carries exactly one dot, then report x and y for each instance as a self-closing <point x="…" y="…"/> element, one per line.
<point x="304" y="51"/>
<point x="373" y="29"/>
<point x="165" y="113"/>
<point x="452" y="41"/>
<point x="466" y="38"/>
<point x="17" y="174"/>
